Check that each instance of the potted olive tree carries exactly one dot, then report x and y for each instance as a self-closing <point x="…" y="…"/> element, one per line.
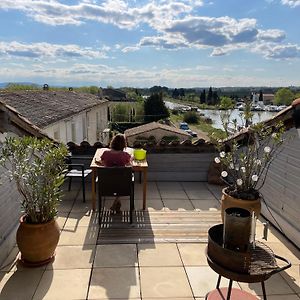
<point x="37" y="166"/>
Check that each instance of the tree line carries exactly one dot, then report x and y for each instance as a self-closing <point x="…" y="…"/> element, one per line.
<point x="208" y="96"/>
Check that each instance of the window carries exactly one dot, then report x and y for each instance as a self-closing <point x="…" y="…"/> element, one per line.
<point x="83" y="127"/>
<point x="56" y="135"/>
<point x="97" y="121"/>
<point x="73" y="129"/>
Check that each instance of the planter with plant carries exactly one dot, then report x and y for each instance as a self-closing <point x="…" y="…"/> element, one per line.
<point x="37" y="166"/>
<point x="245" y="156"/>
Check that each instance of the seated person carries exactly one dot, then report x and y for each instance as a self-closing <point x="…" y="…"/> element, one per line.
<point x="116" y="157"/>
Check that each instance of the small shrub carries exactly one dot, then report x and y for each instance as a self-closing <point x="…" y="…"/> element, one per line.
<point x="170" y="138"/>
<point x="191" y="117"/>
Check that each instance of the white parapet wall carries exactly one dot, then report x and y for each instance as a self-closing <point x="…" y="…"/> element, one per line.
<point x="281" y="191"/>
<point x="9" y="215"/>
<point x="179" y="166"/>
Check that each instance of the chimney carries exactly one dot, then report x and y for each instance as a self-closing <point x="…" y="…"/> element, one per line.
<point x="45" y="87"/>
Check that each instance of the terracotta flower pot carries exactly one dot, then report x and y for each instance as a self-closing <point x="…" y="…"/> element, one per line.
<point x="37" y="242"/>
<point x="229" y="201"/>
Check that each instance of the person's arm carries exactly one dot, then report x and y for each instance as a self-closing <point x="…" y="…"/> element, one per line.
<point x="129" y="159"/>
<point x="104" y="157"/>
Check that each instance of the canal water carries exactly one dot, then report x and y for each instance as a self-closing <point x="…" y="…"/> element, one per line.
<point x="215" y="115"/>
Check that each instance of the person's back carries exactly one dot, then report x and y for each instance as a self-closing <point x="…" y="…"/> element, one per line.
<point x="113" y="158"/>
<point x="116" y="157"/>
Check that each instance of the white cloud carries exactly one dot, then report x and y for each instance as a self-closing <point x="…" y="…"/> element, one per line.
<point x="166" y="42"/>
<point x="219" y="52"/>
<point x="291" y="3"/>
<point x="272" y="35"/>
<point x="123" y="76"/>
<point x="130" y="49"/>
<point x="222" y="35"/>
<point x="46" y="50"/>
<point x="278" y="52"/>
<point x="173" y="22"/>
<point x="221" y="31"/>
<point x="116" y="12"/>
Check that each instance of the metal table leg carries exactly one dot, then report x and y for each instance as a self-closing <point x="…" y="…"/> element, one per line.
<point x="229" y="290"/>
<point x="264" y="290"/>
<point x="218" y="282"/>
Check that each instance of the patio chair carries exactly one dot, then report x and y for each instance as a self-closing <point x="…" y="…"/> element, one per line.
<point x="77" y="170"/>
<point x="116" y="181"/>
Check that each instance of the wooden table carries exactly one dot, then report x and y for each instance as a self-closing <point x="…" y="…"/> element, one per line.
<point x="137" y="166"/>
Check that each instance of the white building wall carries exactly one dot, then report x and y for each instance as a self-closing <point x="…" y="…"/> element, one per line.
<point x="81" y="127"/>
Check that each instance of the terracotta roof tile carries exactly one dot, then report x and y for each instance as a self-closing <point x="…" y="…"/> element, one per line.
<point x="154" y="125"/>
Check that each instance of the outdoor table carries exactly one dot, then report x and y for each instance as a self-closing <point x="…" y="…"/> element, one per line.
<point x="263" y="265"/>
<point x="137" y="166"/>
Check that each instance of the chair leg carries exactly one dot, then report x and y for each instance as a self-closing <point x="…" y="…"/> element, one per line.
<point x="130" y="211"/>
<point x="99" y="205"/>
<point x="99" y="209"/>
<point x="70" y="182"/>
<point x="83" y="189"/>
<point x="131" y="207"/>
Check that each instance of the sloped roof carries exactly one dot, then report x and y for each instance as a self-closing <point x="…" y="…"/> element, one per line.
<point x="151" y="126"/>
<point x="19" y="124"/>
<point x="113" y="94"/>
<point x="42" y="108"/>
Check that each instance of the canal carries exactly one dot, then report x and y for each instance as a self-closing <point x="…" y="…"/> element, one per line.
<point x="215" y="115"/>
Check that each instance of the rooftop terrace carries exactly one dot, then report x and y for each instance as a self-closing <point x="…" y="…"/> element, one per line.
<point x="168" y="262"/>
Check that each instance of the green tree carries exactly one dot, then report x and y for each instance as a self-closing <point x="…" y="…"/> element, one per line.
<point x="21" y="87"/>
<point x="297" y="95"/>
<point x="159" y="89"/>
<point x="139" y="110"/>
<point x="215" y="98"/>
<point x="88" y="89"/>
<point x="121" y="113"/>
<point x="284" y="96"/>
<point x="135" y="95"/>
<point x="181" y="92"/>
<point x="226" y="103"/>
<point x="155" y="109"/>
<point x="191" y="117"/>
<point x="261" y="96"/>
<point x="209" y="97"/>
<point x="203" y="97"/>
<point x="175" y="94"/>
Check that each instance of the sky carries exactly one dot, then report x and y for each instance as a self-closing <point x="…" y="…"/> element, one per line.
<point x="142" y="43"/>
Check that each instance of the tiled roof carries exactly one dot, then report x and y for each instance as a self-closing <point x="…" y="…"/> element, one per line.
<point x="187" y="146"/>
<point x="46" y="107"/>
<point x="151" y="126"/>
<point x="113" y="94"/>
<point x="19" y="124"/>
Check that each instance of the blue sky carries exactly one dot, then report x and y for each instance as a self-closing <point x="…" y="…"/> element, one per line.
<point x="139" y="43"/>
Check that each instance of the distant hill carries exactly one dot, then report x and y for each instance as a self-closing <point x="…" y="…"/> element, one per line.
<point x="4" y="84"/>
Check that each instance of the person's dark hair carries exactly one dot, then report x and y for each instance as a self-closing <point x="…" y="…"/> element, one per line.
<point x="118" y="142"/>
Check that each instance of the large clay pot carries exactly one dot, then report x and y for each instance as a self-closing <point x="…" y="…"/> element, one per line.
<point x="250" y="205"/>
<point x="37" y="242"/>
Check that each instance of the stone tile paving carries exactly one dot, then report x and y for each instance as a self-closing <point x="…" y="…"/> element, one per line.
<point x="177" y="271"/>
